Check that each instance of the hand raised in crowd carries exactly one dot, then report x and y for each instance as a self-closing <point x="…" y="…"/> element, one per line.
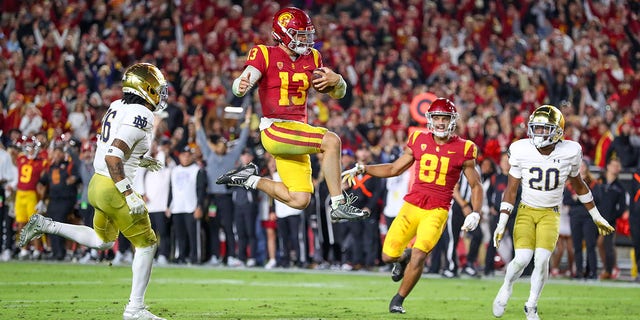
<point x="197" y="117"/>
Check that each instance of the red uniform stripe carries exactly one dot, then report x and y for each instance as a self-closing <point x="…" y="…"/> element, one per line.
<point x="290" y="141"/>
<point x="312" y="135"/>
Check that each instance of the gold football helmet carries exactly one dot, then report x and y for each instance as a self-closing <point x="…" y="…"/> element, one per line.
<point x="146" y="81"/>
<point x="546" y="126"/>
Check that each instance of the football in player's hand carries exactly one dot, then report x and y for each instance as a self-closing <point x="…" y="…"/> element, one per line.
<point x="317" y="74"/>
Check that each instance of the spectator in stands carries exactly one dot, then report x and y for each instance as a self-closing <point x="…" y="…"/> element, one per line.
<point x="622" y="148"/>
<point x="369" y="190"/>
<point x="60" y="186"/>
<point x="220" y="159"/>
<point x="584" y="232"/>
<point x="268" y="219"/>
<point x="245" y="213"/>
<point x="155" y="189"/>
<point x="31" y="122"/>
<point x="564" y="245"/>
<point x="31" y="164"/>
<point x="86" y="170"/>
<point x="634" y="217"/>
<point x="498" y="183"/>
<point x="610" y="197"/>
<point x="289" y="230"/>
<point x="8" y="181"/>
<point x="187" y="203"/>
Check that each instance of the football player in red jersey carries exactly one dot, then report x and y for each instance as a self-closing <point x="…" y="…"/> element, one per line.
<point x="284" y="74"/>
<point x="31" y="164"/>
<point x="440" y="157"/>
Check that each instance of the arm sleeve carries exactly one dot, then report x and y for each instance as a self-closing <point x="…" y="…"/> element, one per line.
<point x="340" y="90"/>
<point x="130" y="134"/>
<point x="242" y="142"/>
<point x="515" y="170"/>
<point x="255" y="75"/>
<point x="575" y="164"/>
<point x="201" y="140"/>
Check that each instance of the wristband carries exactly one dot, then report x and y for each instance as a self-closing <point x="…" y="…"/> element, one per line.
<point x="123" y="185"/>
<point x="586" y="198"/>
<point x="116" y="152"/>
<point x="506" y="206"/>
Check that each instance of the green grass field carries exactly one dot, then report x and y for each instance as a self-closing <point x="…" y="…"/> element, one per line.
<point x="30" y="290"/>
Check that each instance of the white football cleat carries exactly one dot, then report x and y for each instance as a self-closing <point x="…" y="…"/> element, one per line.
<point x="531" y="313"/>
<point x="139" y="314"/>
<point x="270" y="264"/>
<point x="34" y="229"/>
<point x="500" y="302"/>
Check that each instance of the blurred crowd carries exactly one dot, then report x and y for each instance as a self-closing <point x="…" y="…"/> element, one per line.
<point x="62" y="63"/>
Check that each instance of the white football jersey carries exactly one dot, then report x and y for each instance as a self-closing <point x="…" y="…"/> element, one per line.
<point x="543" y="176"/>
<point x="131" y="123"/>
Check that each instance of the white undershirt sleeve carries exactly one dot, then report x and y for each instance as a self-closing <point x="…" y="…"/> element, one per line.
<point x="255" y="75"/>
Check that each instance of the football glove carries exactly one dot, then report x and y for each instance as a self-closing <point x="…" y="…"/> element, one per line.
<point x="150" y="163"/>
<point x="136" y="204"/>
<point x="604" y="228"/>
<point x="349" y="176"/>
<point x="471" y="221"/>
<point x="502" y="224"/>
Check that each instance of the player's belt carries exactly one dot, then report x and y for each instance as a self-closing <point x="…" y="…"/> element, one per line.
<point x="522" y="206"/>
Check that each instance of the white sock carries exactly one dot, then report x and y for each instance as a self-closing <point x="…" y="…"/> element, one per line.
<point x="539" y="275"/>
<point x="80" y="234"/>
<point x="141" y="269"/>
<point x="252" y="182"/>
<point x="516" y="266"/>
<point x="335" y="201"/>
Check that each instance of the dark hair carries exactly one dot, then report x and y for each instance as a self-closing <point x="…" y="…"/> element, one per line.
<point x="130" y="98"/>
<point x="248" y="150"/>
<point x="215" y="138"/>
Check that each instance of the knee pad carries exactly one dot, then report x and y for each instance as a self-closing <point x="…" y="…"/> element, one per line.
<point x="522" y="257"/>
<point x="542" y="258"/>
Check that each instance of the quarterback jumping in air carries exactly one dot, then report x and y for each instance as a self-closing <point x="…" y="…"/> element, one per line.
<point x="440" y="157"/>
<point x="541" y="165"/>
<point x="124" y="139"/>
<point x="284" y="74"/>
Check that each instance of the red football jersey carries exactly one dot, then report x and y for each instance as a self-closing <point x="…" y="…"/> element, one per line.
<point x="285" y="83"/>
<point x="29" y="171"/>
<point x="437" y="169"/>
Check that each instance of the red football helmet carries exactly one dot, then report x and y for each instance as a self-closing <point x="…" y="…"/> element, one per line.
<point x="293" y="27"/>
<point x="442" y="107"/>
